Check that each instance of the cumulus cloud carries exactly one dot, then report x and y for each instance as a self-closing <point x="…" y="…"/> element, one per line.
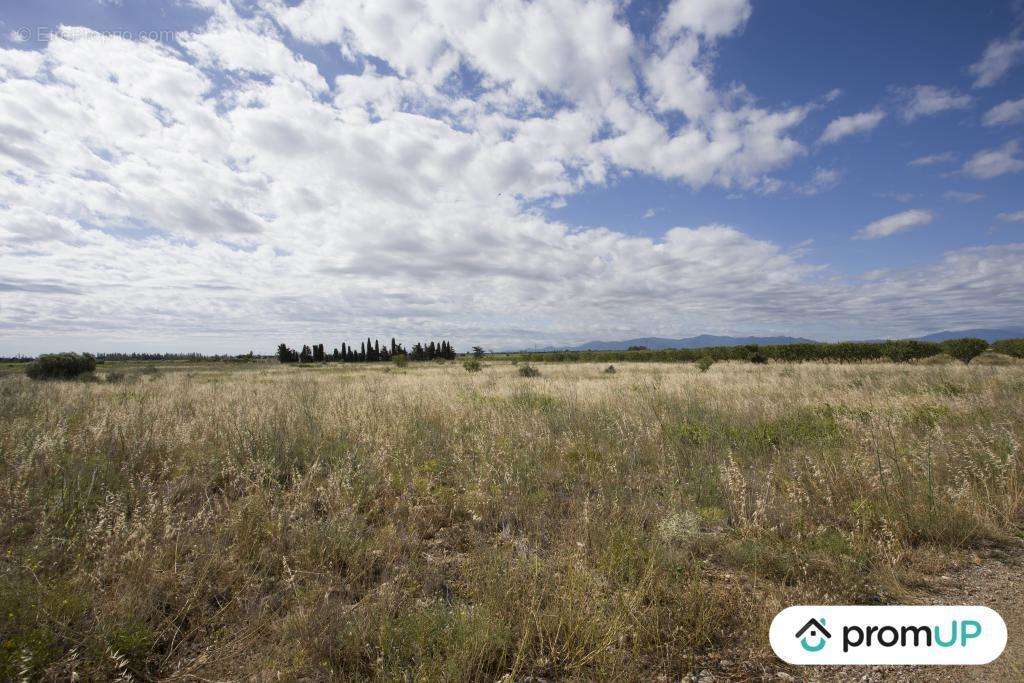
<point x="710" y="18"/>
<point x="999" y="57"/>
<point x="1012" y="217"/>
<point x="845" y="126"/>
<point x="898" y="222"/>
<point x="927" y="100"/>
<point x="1010" y="111"/>
<point x="221" y="191"/>
<point x="990" y="163"/>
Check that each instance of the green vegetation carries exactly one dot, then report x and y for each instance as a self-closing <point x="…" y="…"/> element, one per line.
<point x="839" y="352"/>
<point x="221" y="521"/>
<point x="528" y="371"/>
<point x="472" y="365"/>
<point x="1010" y="347"/>
<point x="704" y="363"/>
<point x="964" y="349"/>
<point x="61" y="366"/>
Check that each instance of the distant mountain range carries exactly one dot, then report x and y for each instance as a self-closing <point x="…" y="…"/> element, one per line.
<point x="704" y="340"/>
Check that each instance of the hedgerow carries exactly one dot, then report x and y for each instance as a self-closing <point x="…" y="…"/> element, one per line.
<point x="899" y="351"/>
<point x="1010" y="347"/>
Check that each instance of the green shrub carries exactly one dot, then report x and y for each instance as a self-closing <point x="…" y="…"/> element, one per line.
<point x="757" y="357"/>
<point x="610" y="370"/>
<point x="61" y="365"/>
<point x="528" y="371"/>
<point x="1010" y="347"/>
<point x="964" y="349"/>
<point x="400" y="360"/>
<point x="472" y="365"/>
<point x="704" y="363"/>
<point x="905" y="350"/>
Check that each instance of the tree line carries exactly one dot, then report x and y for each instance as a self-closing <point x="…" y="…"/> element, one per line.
<point x="369" y="351"/>
<point x="898" y="351"/>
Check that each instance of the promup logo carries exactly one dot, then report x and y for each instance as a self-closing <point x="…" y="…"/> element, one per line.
<point x="888" y="635"/>
<point x="817" y="629"/>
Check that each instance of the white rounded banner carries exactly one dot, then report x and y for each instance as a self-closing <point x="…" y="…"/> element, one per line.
<point x="898" y="634"/>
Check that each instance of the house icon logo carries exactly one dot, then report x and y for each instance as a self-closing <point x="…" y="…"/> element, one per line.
<point x="816" y="632"/>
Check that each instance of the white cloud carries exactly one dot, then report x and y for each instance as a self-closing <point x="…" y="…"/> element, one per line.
<point x="990" y="163"/>
<point x="1013" y="217"/>
<point x="963" y="197"/>
<point x="932" y="159"/>
<point x="926" y="100"/>
<point x="147" y="195"/>
<point x="999" y="57"/>
<point x="650" y="213"/>
<point x="849" y="125"/>
<point x="1010" y="111"/>
<point x="710" y="18"/>
<point x="898" y="222"/>
<point x="822" y="180"/>
<point x="251" y="46"/>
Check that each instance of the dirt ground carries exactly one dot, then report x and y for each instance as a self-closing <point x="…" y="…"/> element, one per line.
<point x="996" y="581"/>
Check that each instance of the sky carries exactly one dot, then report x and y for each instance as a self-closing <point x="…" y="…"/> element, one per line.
<point x="225" y="175"/>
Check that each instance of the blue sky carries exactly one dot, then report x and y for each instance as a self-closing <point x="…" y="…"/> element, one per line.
<point x="216" y="175"/>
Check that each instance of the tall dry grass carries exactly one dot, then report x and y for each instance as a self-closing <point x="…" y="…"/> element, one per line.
<point x="429" y="523"/>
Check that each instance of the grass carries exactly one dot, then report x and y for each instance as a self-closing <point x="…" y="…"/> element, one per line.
<point x="428" y="523"/>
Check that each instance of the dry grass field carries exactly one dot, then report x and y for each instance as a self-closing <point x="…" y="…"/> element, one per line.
<point x="427" y="523"/>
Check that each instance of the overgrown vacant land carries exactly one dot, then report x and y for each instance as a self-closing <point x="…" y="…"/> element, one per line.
<point x="433" y="523"/>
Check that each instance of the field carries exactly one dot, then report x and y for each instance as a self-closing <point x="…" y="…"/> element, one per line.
<point x="212" y="522"/>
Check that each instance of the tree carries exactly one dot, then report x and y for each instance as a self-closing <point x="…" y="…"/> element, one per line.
<point x="306" y="355"/>
<point x="478" y="352"/>
<point x="286" y="355"/>
<point x="964" y="349"/>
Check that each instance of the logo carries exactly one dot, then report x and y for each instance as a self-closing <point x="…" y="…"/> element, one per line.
<point x="817" y="630"/>
<point x="944" y="635"/>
